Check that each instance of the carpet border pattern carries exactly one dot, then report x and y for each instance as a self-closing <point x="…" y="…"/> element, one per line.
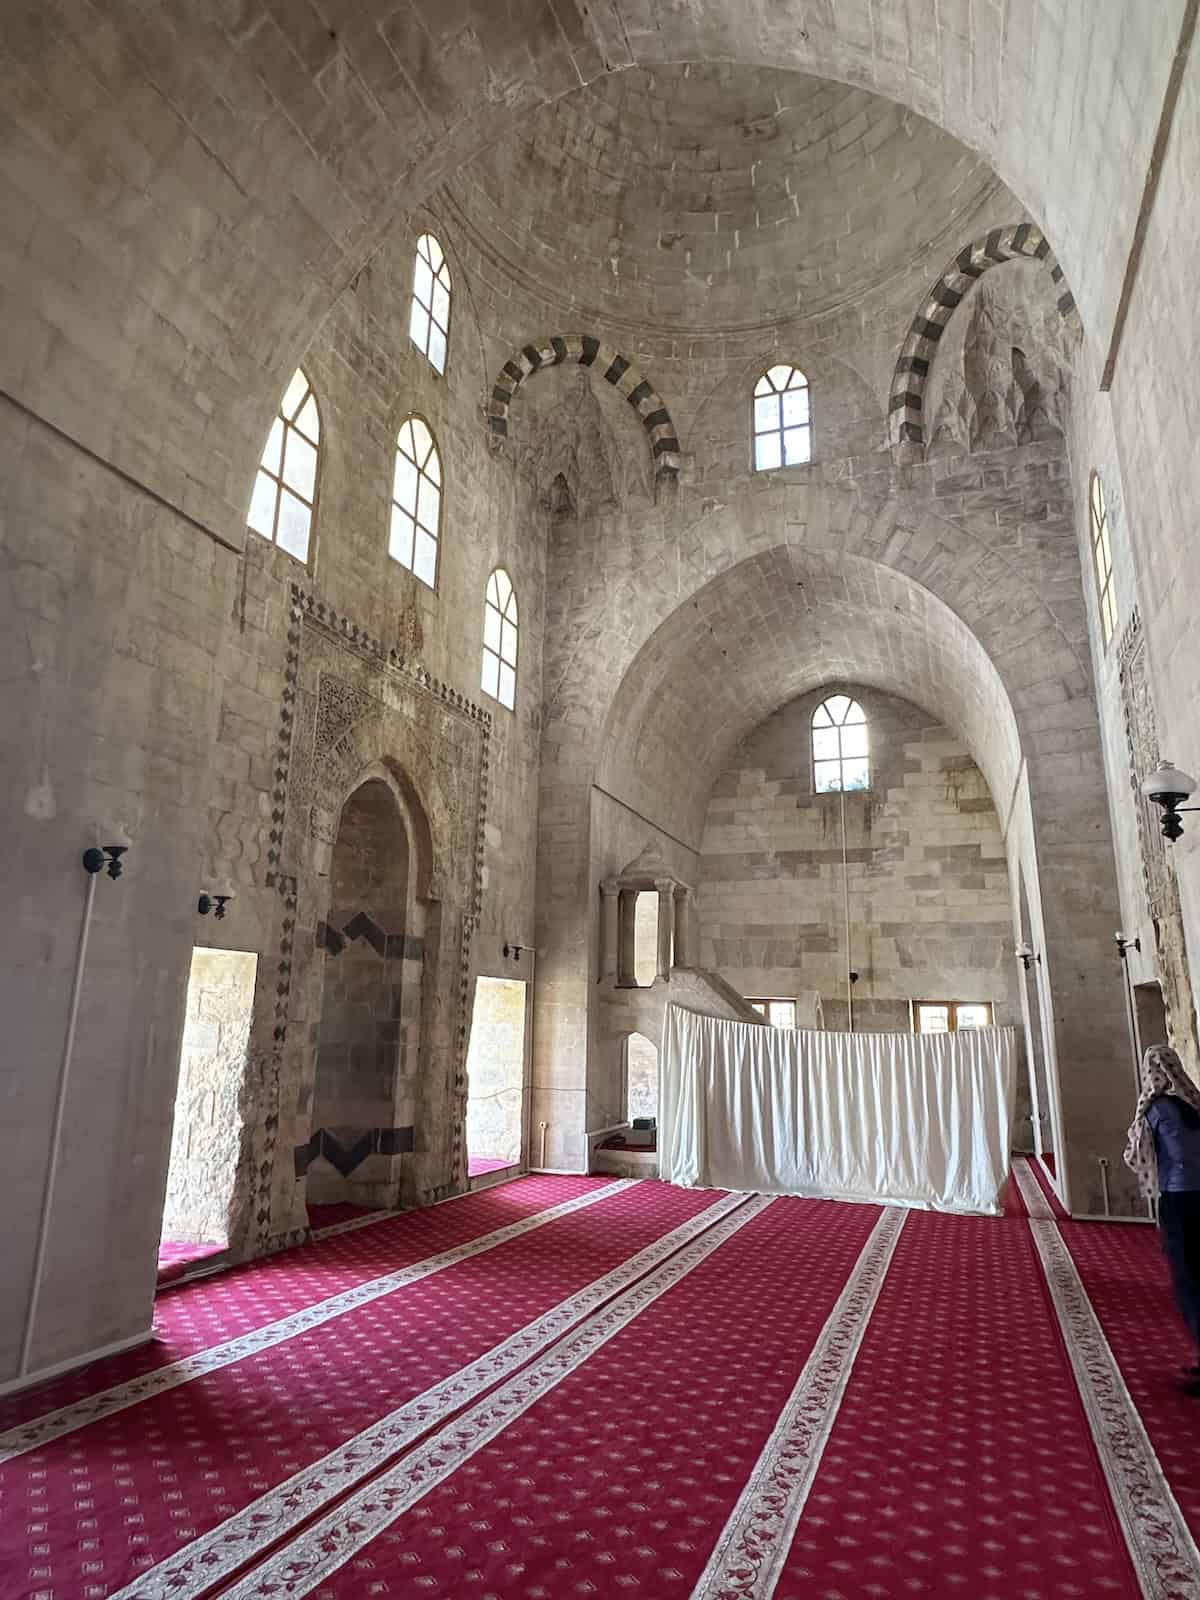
<point x="26" y="1436"/>
<point x="211" y="1557"/>
<point x="310" y="1558"/>
<point x="748" y="1557"/>
<point x="1161" y="1548"/>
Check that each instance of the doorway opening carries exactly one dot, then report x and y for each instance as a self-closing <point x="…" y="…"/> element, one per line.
<point x="206" y="1134"/>
<point x="496" y="1076"/>
<point x="368" y="1037"/>
<point x="641" y="1079"/>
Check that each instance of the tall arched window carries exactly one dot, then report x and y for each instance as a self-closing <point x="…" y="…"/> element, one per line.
<point x="429" y="319"/>
<point x="285" y="487"/>
<point x="1102" y="559"/>
<point x="782" y="419"/>
<point x="499" y="676"/>
<point x="416" y="502"/>
<point x="839" y="745"/>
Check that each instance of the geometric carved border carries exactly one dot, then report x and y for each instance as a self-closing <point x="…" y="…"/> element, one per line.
<point x="305" y="606"/>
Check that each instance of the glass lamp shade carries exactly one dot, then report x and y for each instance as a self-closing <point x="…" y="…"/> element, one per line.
<point x="1168" y="783"/>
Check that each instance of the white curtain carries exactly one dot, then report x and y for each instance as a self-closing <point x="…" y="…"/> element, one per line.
<point x="915" y="1119"/>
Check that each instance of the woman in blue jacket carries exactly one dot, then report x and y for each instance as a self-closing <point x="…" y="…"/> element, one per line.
<point x="1164" y="1152"/>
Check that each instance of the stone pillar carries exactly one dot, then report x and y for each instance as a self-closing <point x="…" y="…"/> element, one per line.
<point x="608" y="931"/>
<point x="683" y="941"/>
<point x="626" y="914"/>
<point x="666" y="924"/>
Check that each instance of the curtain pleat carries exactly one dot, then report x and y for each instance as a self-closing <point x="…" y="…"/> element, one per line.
<point x="914" y="1119"/>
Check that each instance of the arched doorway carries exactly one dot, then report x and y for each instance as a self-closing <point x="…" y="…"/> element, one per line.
<point x="368" y="1036"/>
<point x="641" y="1078"/>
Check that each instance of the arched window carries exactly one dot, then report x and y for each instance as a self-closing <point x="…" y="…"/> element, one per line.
<point x="782" y="419"/>
<point x="1102" y="559"/>
<point x="500" y="639"/>
<point x="416" y="502"/>
<point x="429" y="320"/>
<point x="839" y="745"/>
<point x="285" y="488"/>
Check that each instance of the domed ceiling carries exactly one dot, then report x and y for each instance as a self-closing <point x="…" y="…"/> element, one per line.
<point x="716" y="198"/>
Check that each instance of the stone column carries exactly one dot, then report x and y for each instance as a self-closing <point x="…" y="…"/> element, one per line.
<point x="608" y="931"/>
<point x="666" y="924"/>
<point x="683" y="941"/>
<point x="626" y="914"/>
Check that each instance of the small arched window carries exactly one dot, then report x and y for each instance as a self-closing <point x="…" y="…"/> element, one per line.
<point x="1102" y="560"/>
<point x="499" y="677"/>
<point x="416" y="502"/>
<point x="285" y="487"/>
<point x="782" y="419"/>
<point x="839" y="746"/>
<point x="429" y="319"/>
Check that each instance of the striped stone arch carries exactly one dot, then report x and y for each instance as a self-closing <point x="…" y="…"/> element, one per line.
<point x="616" y="369"/>
<point x="905" y="422"/>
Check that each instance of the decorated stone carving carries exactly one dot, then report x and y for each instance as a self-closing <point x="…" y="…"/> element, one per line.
<point x="355" y="709"/>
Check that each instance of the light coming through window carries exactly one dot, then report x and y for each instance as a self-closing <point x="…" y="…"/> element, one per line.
<point x="839" y="746"/>
<point x="782" y="419"/>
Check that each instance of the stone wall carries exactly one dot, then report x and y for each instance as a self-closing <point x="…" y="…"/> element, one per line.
<point x="930" y="909"/>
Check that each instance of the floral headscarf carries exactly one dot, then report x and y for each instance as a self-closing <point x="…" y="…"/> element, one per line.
<point x="1162" y="1073"/>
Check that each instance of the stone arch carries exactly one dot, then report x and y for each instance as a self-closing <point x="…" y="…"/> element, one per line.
<point x="413" y="812"/>
<point x="661" y="434"/>
<point x="983" y="584"/>
<point x="368" y="1097"/>
<point x="360" y="753"/>
<point x="777" y="624"/>
<point x="905" y="418"/>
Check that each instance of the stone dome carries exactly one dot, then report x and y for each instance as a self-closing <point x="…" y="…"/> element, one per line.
<point x="715" y="198"/>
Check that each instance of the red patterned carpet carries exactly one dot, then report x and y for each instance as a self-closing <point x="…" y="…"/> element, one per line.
<point x="477" y="1166"/>
<point x="177" y="1256"/>
<point x="563" y="1387"/>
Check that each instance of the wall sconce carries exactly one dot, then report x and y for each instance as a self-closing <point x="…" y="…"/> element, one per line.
<point x="107" y="857"/>
<point x="1123" y="944"/>
<point x="215" y="903"/>
<point x="1025" y="955"/>
<point x="514" y="952"/>
<point x="1167" y="786"/>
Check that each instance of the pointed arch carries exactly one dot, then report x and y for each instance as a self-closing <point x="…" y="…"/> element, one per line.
<point x="429" y="313"/>
<point x="500" y="637"/>
<point x="905" y="419"/>
<point x="283" y="501"/>
<point x="628" y="380"/>
<point x="415" y="530"/>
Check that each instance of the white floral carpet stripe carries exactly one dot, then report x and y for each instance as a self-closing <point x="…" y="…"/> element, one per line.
<point x="749" y="1555"/>
<point x="205" y="1561"/>
<point x="308" y="1559"/>
<point x="1160" y="1544"/>
<point x="39" y="1431"/>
